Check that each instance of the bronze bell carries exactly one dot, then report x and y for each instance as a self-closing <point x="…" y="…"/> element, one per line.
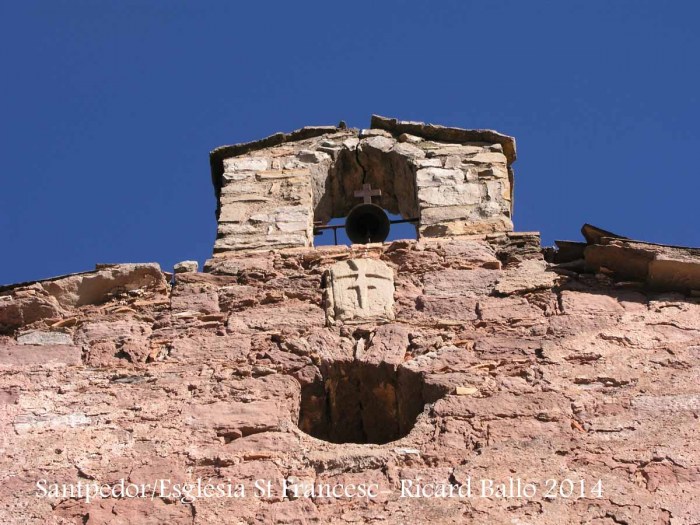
<point x="367" y="223"/>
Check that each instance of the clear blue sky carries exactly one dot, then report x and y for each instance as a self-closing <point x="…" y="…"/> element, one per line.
<point x="109" y="110"/>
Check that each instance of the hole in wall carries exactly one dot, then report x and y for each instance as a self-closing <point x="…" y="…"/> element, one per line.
<point x="361" y="402"/>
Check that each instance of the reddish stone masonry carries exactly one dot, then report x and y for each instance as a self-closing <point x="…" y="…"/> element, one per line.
<point x="447" y="359"/>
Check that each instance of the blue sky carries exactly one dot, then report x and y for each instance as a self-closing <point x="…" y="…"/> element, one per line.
<point x="108" y="110"/>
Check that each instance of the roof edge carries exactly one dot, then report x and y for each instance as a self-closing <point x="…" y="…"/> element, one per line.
<point x="446" y="134"/>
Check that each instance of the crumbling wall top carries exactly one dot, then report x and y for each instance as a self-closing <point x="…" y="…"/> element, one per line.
<point x="217" y="155"/>
<point x="446" y="134"/>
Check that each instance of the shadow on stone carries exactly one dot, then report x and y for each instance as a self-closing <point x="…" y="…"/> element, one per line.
<point x="360" y="402"/>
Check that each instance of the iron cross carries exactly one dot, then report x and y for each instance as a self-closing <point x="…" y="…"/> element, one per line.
<point x="367" y="193"/>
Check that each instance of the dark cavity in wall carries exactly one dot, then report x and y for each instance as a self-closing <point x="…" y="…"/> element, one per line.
<point x="360" y="402"/>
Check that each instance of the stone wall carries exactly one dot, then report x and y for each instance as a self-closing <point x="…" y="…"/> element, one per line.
<point x="454" y="182"/>
<point x="491" y="365"/>
<point x="459" y="357"/>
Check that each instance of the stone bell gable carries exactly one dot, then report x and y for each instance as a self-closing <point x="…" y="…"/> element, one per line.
<point x="452" y="181"/>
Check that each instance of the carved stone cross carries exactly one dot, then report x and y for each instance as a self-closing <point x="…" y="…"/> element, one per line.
<point x="360" y="290"/>
<point x="363" y="282"/>
<point x="367" y="193"/>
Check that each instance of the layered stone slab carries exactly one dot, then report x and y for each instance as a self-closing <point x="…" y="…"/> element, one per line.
<point x="661" y="267"/>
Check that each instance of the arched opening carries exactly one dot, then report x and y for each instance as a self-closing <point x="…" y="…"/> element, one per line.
<point x="371" y="162"/>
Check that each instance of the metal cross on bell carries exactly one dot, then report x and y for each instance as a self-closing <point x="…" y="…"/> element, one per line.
<point x="367" y="222"/>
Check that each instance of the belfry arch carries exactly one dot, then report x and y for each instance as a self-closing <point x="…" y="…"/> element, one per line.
<point x="370" y="169"/>
<point x="273" y="192"/>
<point x="373" y="160"/>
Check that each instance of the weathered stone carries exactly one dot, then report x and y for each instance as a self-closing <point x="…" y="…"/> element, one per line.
<point x="455" y="195"/>
<point x="381" y="143"/>
<point x="389" y="344"/>
<point x="246" y="164"/>
<point x="264" y="318"/>
<point x="98" y="286"/>
<point x="16" y="310"/>
<point x="677" y="403"/>
<point x="589" y="304"/>
<point x="662" y="267"/>
<point x="233" y="420"/>
<point x="513" y="383"/>
<point x="318" y="174"/>
<point x="430" y="163"/>
<point x="527" y="276"/>
<point x="456" y="228"/>
<point x="359" y="290"/>
<point x="441" y="133"/>
<point x="427" y="177"/>
<point x="408" y="150"/>
<point x="413" y="139"/>
<point x="39" y="337"/>
<point x="287" y="365"/>
<point x="186" y="267"/>
<point x="456" y="283"/>
<point x="485" y="157"/>
<point x="509" y="311"/>
<point x="437" y="309"/>
<point x="34" y="355"/>
<point x="466" y="390"/>
<point x="364" y="133"/>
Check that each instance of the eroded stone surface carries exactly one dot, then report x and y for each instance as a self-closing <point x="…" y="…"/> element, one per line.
<point x="661" y="267"/>
<point x="507" y="372"/>
<point x="359" y="290"/>
<point x="186" y="266"/>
